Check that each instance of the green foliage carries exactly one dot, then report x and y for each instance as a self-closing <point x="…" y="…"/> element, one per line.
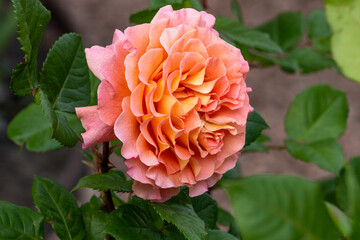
<point x="32" y="18"/>
<point x="255" y="124"/>
<point x="64" y="85"/>
<point x="94" y="219"/>
<point x="297" y="214"/>
<point x="319" y="31"/>
<point x="180" y="212"/>
<point x="344" y="18"/>
<point x="315" y="119"/>
<point x="113" y="180"/>
<point x="217" y="234"/>
<point x="286" y="29"/>
<point x="32" y="128"/>
<point x="257" y="145"/>
<point x="130" y="222"/>
<point x="20" y="223"/>
<point x="246" y="36"/>
<point x="235" y="7"/>
<point x="340" y="219"/>
<point x="59" y="208"/>
<point x="206" y="208"/>
<point x="317" y="113"/>
<point x="327" y="154"/>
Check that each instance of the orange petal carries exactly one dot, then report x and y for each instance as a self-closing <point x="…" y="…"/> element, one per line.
<point x="148" y="64"/>
<point x="146" y="152"/>
<point x="138" y="36"/>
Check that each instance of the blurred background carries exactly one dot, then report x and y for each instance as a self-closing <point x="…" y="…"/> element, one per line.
<point x="96" y="20"/>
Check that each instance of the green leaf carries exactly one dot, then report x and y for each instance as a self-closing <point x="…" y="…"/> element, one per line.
<point x="20" y="223"/>
<point x="59" y="208"/>
<point x="257" y="145"/>
<point x="65" y="75"/>
<point x="32" y="128"/>
<point x="196" y="4"/>
<point x="235" y="7"/>
<point x="217" y="235"/>
<point x="306" y="60"/>
<point x="352" y="184"/>
<point x="246" y="36"/>
<point x="344" y="19"/>
<point x="317" y="113"/>
<point x="113" y="180"/>
<point x="233" y="173"/>
<point x="143" y="16"/>
<point x="340" y="219"/>
<point x="130" y="222"/>
<point x="161" y="3"/>
<point x="180" y="212"/>
<point x="32" y="18"/>
<point x="326" y="154"/>
<point x="286" y="29"/>
<point x="226" y="219"/>
<point x="255" y="124"/>
<point x="280" y="207"/>
<point x="206" y="208"/>
<point x="319" y="31"/>
<point x="94" y="219"/>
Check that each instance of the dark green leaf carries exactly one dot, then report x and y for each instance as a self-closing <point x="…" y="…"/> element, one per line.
<point x="59" y="208"/>
<point x="197" y="5"/>
<point x="180" y="212"/>
<point x="246" y="36"/>
<point x="94" y="219"/>
<point x="340" y="219"/>
<point x="20" y="223"/>
<point x="254" y="126"/>
<point x="206" y="208"/>
<point x="235" y="7"/>
<point x="143" y="16"/>
<point x="306" y="60"/>
<point x="217" y="235"/>
<point x="233" y="173"/>
<point x="319" y="31"/>
<point x="327" y="154"/>
<point x="65" y="76"/>
<point x="113" y="180"/>
<point x="32" y="128"/>
<point x="130" y="222"/>
<point x="161" y="3"/>
<point x="226" y="219"/>
<point x="257" y="145"/>
<point x="329" y="188"/>
<point x="285" y="207"/>
<point x="317" y="113"/>
<point x="32" y="18"/>
<point x="286" y="29"/>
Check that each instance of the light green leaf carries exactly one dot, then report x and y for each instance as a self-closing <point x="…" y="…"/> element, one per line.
<point x="20" y="223"/>
<point x="344" y="19"/>
<point x="280" y="207"/>
<point x="180" y="212"/>
<point x="317" y="113"/>
<point x="32" y="18"/>
<point x="217" y="235"/>
<point x="206" y="208"/>
<point x="255" y="124"/>
<point x="246" y="36"/>
<point x="59" y="208"/>
<point x="286" y="29"/>
<point x="319" y="31"/>
<point x="113" y="180"/>
<point x="130" y="222"/>
<point x="65" y="76"/>
<point x="94" y="219"/>
<point x="327" y="154"/>
<point x="32" y="128"/>
<point x="340" y="219"/>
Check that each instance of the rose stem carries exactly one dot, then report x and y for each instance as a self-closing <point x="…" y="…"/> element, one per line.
<point x="104" y="168"/>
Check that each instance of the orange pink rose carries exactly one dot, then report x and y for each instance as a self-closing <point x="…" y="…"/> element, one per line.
<point x="174" y="93"/>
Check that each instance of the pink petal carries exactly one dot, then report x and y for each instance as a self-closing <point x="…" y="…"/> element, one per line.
<point x="138" y="36"/>
<point x="137" y="170"/>
<point x="127" y="130"/>
<point x="95" y="56"/>
<point x="96" y="130"/>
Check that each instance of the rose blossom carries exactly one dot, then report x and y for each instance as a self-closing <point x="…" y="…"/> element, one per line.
<point x="174" y="93"/>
